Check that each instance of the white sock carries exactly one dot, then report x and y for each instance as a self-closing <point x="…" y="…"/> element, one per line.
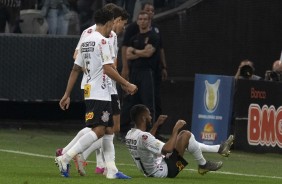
<point x="100" y="158"/>
<point x="209" y="148"/>
<point x="194" y="149"/>
<point x="109" y="154"/>
<point x="75" y="139"/>
<point x="96" y="145"/>
<point x="82" y="144"/>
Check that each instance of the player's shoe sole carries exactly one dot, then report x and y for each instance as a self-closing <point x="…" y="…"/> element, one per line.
<point x="209" y="166"/>
<point x="224" y="148"/>
<point x="118" y="175"/>
<point x="63" y="167"/>
<point x="80" y="164"/>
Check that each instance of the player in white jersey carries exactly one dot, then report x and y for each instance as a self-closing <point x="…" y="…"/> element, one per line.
<point x="96" y="56"/>
<point x="118" y="27"/>
<point x="120" y="17"/>
<point x="155" y="158"/>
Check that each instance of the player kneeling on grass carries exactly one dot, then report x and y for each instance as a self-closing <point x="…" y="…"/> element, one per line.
<point x="157" y="159"/>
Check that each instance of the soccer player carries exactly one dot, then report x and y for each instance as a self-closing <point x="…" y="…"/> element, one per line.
<point x="120" y="20"/>
<point x="96" y="57"/>
<point x="158" y="159"/>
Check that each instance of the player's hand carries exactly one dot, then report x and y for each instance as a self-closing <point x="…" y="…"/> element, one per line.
<point x="161" y="119"/>
<point x="179" y="124"/>
<point x="130" y="88"/>
<point x="65" y="102"/>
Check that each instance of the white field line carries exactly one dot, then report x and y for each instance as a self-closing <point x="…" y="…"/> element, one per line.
<point x="217" y="172"/>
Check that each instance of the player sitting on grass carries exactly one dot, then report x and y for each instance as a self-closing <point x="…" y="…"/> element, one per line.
<point x="157" y="159"/>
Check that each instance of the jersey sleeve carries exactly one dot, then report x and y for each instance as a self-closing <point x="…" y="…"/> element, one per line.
<point x="86" y="32"/>
<point x="106" y="51"/>
<point x="151" y="143"/>
<point x="80" y="40"/>
<point x="79" y="60"/>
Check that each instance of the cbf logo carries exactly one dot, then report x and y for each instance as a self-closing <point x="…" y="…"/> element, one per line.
<point x="211" y="96"/>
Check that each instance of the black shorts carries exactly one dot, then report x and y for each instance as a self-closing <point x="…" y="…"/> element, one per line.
<point x="175" y="164"/>
<point x="115" y="104"/>
<point x="98" y="112"/>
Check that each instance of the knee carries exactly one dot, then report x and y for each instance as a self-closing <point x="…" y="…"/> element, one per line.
<point x="185" y="134"/>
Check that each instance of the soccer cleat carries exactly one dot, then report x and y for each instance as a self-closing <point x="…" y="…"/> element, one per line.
<point x="224" y="148"/>
<point x="80" y="163"/>
<point x="99" y="170"/>
<point x="118" y="175"/>
<point x="209" y="166"/>
<point x="63" y="166"/>
<point x="59" y="152"/>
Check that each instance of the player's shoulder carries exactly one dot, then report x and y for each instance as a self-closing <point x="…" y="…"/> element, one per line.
<point x="145" y="136"/>
<point x="89" y="30"/>
<point x="112" y="34"/>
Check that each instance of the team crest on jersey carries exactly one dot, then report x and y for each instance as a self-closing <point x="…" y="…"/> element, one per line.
<point x="145" y="137"/>
<point x="146" y="40"/>
<point x="106" y="116"/>
<point x="103" y="41"/>
<point x="89" y="31"/>
<point x="156" y="30"/>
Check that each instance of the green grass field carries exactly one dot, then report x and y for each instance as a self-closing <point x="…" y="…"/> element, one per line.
<point x="27" y="157"/>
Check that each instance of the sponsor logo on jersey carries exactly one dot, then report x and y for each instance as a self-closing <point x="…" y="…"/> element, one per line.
<point x="89" y="115"/>
<point x="179" y="165"/>
<point x="103" y="41"/>
<point x="88" y="44"/>
<point x="89" y="31"/>
<point x="106" y="116"/>
<point x="145" y="137"/>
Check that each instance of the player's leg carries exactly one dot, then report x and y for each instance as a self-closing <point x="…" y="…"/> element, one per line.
<point x="100" y="161"/>
<point x="223" y="149"/>
<point x="109" y="155"/>
<point x="193" y="147"/>
<point x="61" y="151"/>
<point x="98" y="122"/>
<point x="82" y="144"/>
<point x="80" y="159"/>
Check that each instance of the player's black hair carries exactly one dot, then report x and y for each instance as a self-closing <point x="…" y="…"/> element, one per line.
<point x="102" y="16"/>
<point x="136" y="111"/>
<point x="116" y="10"/>
<point x="124" y="15"/>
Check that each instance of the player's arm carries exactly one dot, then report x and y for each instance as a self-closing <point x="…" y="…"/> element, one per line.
<point x="65" y="101"/>
<point x="125" y="68"/>
<point x="170" y="144"/>
<point x="161" y="119"/>
<point x="110" y="71"/>
<point x="72" y="78"/>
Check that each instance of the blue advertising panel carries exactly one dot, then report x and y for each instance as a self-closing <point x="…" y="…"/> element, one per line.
<point x="212" y="108"/>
